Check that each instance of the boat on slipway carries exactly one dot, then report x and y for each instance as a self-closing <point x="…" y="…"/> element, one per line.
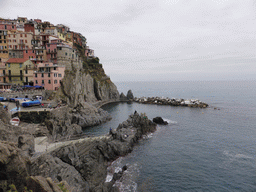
<point x="15" y="121"/>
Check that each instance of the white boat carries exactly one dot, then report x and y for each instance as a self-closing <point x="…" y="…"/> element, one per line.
<point x="15" y="121"/>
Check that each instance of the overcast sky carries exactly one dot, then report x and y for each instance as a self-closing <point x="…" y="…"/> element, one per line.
<point x="160" y="40"/>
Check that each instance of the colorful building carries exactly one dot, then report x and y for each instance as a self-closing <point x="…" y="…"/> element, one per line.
<point x="29" y="70"/>
<point x="19" y="40"/>
<point x="49" y="75"/>
<point x="29" y="27"/>
<point x="15" y="70"/>
<point x="2" y="73"/>
<point x="7" y="24"/>
<point x="89" y="52"/>
<point x="4" y="44"/>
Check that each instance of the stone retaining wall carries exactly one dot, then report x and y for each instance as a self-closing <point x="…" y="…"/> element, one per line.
<point x="32" y="116"/>
<point x="27" y="93"/>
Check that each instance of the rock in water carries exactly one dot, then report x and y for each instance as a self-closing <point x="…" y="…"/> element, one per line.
<point x="160" y="121"/>
<point x="129" y="95"/>
<point x="123" y="97"/>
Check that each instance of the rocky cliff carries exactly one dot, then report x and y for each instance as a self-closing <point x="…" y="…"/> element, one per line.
<point x="16" y="148"/>
<point x="83" y="163"/>
<point x="87" y="83"/>
<point x="66" y="122"/>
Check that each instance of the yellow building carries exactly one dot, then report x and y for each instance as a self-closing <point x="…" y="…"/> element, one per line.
<point x="16" y="70"/>
<point x="62" y="36"/>
<point x="29" y="73"/>
<point x="2" y="73"/>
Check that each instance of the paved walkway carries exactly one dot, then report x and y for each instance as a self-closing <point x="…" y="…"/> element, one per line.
<point x="12" y="105"/>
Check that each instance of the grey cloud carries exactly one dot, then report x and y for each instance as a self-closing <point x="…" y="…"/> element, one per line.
<point x="188" y="39"/>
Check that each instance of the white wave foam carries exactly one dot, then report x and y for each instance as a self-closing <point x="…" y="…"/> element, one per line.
<point x="170" y="121"/>
<point x="127" y="183"/>
<point x="150" y="135"/>
<point x="239" y="155"/>
<point x="109" y="178"/>
<point x="115" y="167"/>
<point x="243" y="156"/>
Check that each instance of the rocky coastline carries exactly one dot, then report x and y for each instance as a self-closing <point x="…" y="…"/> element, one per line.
<point x="80" y="165"/>
<point x="195" y="103"/>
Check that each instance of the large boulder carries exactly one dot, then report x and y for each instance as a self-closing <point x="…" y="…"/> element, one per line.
<point x="130" y="95"/>
<point x="13" y="167"/>
<point x="4" y="115"/>
<point x="160" y="121"/>
<point x="123" y="97"/>
<point x="48" y="166"/>
<point x="20" y="137"/>
<point x="41" y="184"/>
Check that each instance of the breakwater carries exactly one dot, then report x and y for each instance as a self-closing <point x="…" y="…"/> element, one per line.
<point x="172" y="102"/>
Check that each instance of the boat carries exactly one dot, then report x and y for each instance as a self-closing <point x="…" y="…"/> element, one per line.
<point x="3" y="99"/>
<point x="30" y="103"/>
<point x="21" y="100"/>
<point x="15" y="121"/>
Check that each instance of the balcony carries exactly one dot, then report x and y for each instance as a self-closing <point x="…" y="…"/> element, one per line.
<point x="36" y="59"/>
<point x="15" y="75"/>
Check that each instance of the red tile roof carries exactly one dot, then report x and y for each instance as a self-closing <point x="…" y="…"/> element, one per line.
<point x="16" y="60"/>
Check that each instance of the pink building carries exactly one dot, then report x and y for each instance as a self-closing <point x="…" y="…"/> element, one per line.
<point x="49" y="75"/>
<point x="29" y="54"/>
<point x="6" y="24"/>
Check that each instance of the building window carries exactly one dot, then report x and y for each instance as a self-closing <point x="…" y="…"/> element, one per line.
<point x="9" y="65"/>
<point x="66" y="54"/>
<point x="55" y="81"/>
<point x="59" y="75"/>
<point x="55" y="74"/>
<point x="36" y="82"/>
<point x="49" y="81"/>
<point x="42" y="75"/>
<point x="54" y="68"/>
<point x="35" y="74"/>
<point x="26" y="71"/>
<point x="49" y="74"/>
<point x="26" y="51"/>
<point x="20" y="65"/>
<point x="25" y="35"/>
<point x="42" y="81"/>
<point x="20" y="35"/>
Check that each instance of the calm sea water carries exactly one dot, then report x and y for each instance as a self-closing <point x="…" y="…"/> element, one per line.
<point x="200" y="149"/>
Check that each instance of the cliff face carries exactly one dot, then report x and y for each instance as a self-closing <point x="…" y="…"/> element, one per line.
<point x="87" y="83"/>
<point x="82" y="86"/>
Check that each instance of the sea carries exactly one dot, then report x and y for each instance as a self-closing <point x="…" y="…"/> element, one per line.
<point x="210" y="149"/>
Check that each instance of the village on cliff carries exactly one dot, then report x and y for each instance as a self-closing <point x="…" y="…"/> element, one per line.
<point x="35" y="53"/>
